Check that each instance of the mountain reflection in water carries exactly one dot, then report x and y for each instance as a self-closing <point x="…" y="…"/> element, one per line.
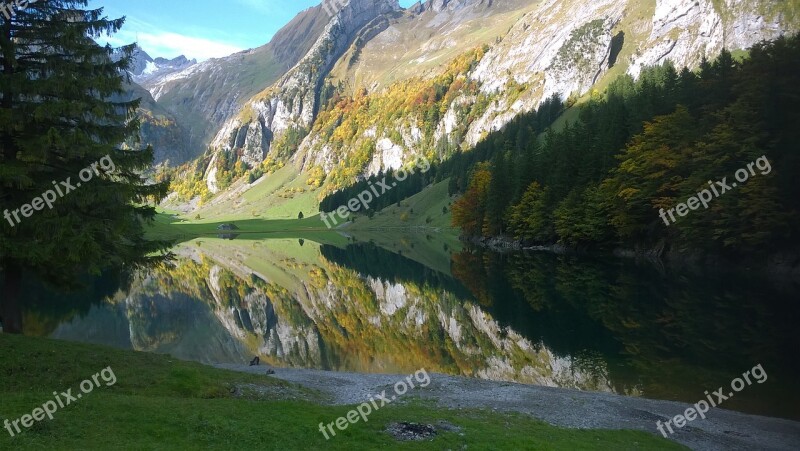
<point x="565" y="321"/>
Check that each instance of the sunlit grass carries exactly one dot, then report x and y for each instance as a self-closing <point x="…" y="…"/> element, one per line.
<point x="159" y="402"/>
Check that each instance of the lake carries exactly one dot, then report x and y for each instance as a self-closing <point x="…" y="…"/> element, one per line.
<point x="395" y="304"/>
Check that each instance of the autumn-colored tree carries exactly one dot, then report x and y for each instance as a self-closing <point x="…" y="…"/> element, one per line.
<point x="469" y="212"/>
<point x="651" y="172"/>
<point x="468" y="268"/>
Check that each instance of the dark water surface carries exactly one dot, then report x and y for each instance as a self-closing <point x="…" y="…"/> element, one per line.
<point x="537" y="318"/>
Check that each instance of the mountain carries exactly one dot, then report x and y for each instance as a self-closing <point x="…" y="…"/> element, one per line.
<point x="159" y="128"/>
<point x="207" y="94"/>
<point x="146" y="70"/>
<point x="293" y="101"/>
<point x="378" y="86"/>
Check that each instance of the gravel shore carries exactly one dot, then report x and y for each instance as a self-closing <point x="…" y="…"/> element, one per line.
<point x="721" y="430"/>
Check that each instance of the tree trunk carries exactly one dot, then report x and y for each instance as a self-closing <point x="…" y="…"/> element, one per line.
<point x="9" y="302"/>
<point x="9" y="308"/>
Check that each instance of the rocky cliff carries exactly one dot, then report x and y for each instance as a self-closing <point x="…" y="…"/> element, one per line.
<point x="292" y="102"/>
<point x="531" y="51"/>
<point x="205" y="95"/>
<point x="159" y="128"/>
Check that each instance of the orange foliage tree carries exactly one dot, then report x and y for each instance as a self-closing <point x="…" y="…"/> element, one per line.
<point x="469" y="212"/>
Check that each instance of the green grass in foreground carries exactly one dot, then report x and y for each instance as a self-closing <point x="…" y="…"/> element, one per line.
<point x="159" y="402"/>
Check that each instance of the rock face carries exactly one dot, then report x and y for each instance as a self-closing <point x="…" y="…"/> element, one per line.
<point x="556" y="49"/>
<point x="547" y="48"/>
<point x="292" y="101"/>
<point x="159" y="128"/>
<point x="674" y="22"/>
<point x="204" y="96"/>
<point x="685" y="31"/>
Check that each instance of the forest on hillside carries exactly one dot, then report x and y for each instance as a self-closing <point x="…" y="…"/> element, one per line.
<point x="646" y="145"/>
<point x="451" y="164"/>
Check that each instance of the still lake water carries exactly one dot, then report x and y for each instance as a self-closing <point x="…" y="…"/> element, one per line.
<point x="568" y="321"/>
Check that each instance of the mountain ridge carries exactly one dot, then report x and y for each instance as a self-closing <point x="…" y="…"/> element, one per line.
<point x="531" y="52"/>
<point x="207" y="94"/>
<point x="146" y="69"/>
<point x="294" y="99"/>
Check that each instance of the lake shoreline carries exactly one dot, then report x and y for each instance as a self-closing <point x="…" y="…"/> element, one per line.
<point x="785" y="265"/>
<point x="156" y="401"/>
<point x="721" y="430"/>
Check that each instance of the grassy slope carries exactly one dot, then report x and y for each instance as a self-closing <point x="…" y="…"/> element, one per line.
<point x="419" y="228"/>
<point x="172" y="228"/>
<point x="425" y="209"/>
<point x="162" y="403"/>
<point x="280" y="195"/>
<point x="424" y="44"/>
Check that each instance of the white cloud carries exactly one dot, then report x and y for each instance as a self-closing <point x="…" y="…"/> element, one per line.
<point x="168" y="44"/>
<point x="171" y="45"/>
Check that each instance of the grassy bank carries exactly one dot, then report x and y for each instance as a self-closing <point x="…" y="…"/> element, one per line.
<point x="426" y="213"/>
<point x="175" y="228"/>
<point x="159" y="402"/>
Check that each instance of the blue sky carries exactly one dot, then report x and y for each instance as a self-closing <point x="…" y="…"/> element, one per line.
<point x="201" y="29"/>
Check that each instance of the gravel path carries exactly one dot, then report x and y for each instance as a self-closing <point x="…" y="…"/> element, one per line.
<point x="721" y="430"/>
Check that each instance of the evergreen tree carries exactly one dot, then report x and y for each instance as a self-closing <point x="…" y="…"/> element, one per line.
<point x="58" y="116"/>
<point x="530" y="219"/>
<point x="499" y="195"/>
